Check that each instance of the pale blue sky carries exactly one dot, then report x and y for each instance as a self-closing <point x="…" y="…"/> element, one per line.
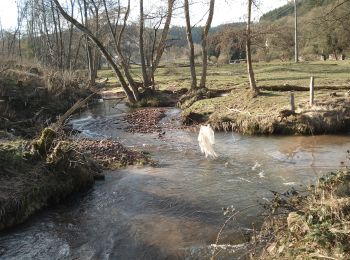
<point x="226" y="10"/>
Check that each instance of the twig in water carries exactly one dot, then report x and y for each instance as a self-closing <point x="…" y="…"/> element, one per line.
<point x="235" y="213"/>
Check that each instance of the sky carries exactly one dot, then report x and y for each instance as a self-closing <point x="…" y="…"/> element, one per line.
<point x="226" y="11"/>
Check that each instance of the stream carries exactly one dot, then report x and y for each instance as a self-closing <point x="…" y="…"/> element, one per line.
<point x="173" y="210"/>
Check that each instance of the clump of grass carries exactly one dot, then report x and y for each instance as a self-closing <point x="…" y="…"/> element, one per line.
<point x="11" y="154"/>
<point x="312" y="226"/>
<point x="29" y="182"/>
<point x="31" y="97"/>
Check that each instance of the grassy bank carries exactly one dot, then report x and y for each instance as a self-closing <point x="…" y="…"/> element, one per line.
<point x="316" y="226"/>
<point x="269" y="113"/>
<point x="234" y="109"/>
<point x="32" y="97"/>
<point x="39" y="173"/>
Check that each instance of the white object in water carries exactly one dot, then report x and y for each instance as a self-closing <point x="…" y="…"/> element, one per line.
<point x="206" y="140"/>
<point x="262" y="174"/>
<point x="256" y="166"/>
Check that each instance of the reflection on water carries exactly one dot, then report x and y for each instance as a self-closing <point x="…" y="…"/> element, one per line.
<point x="173" y="211"/>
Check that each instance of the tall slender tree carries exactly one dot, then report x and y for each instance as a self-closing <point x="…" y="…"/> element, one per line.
<point x="253" y="87"/>
<point x="203" y="43"/>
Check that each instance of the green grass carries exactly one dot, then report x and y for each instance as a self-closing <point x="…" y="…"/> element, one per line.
<point x="326" y="73"/>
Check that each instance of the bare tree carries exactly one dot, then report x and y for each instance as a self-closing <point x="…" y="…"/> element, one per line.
<point x="108" y="56"/>
<point x="141" y="44"/>
<point x="190" y="45"/>
<point x="204" y="44"/>
<point x="152" y="52"/>
<point x="253" y="88"/>
<point x="159" y="47"/>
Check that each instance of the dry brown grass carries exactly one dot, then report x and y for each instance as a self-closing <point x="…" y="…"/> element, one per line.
<point x="31" y="97"/>
<point x="318" y="226"/>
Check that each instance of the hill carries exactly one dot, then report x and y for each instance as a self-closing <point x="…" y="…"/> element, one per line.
<point x="304" y="6"/>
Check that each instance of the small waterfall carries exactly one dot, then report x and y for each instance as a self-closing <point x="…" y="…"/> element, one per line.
<point x="206" y="140"/>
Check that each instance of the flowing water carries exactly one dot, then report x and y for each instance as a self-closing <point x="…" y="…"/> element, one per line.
<point x="174" y="210"/>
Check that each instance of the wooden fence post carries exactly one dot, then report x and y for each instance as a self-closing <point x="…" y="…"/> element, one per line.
<point x="292" y="101"/>
<point x="312" y="97"/>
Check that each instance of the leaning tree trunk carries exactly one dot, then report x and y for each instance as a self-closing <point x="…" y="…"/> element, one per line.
<point x="117" y="42"/>
<point x="254" y="89"/>
<point x="204" y="45"/>
<point x="102" y="49"/>
<point x="190" y="45"/>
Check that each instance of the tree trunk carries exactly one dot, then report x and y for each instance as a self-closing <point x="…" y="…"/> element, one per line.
<point x="62" y="52"/>
<point x="190" y="45"/>
<point x="69" y="55"/>
<point x="47" y="34"/>
<point x="89" y="49"/>
<point x="162" y="43"/>
<point x="142" y="50"/>
<point x="117" y="42"/>
<point x="102" y="49"/>
<point x="204" y="45"/>
<point x="57" y="56"/>
<point x="2" y="39"/>
<point x="253" y="88"/>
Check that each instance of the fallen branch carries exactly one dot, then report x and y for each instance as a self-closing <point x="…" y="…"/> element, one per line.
<point x="80" y="103"/>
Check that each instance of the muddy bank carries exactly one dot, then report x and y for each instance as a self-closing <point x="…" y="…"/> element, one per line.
<point x="36" y="174"/>
<point x="270" y="113"/>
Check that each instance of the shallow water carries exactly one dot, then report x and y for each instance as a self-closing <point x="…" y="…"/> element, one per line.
<point x="173" y="211"/>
